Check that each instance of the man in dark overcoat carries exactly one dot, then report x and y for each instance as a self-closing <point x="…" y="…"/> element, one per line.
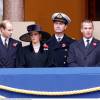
<point x="9" y="47"/>
<point x="59" y="43"/>
<point x="86" y="51"/>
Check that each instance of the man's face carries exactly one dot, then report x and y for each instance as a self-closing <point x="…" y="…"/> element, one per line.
<point x="59" y="27"/>
<point x="87" y="29"/>
<point x="35" y="37"/>
<point x="7" y="32"/>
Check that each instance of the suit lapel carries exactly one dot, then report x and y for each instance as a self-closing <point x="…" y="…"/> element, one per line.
<point x="55" y="43"/>
<point x="10" y="43"/>
<point x="41" y="47"/>
<point x="81" y="46"/>
<point x="31" y="48"/>
<point x="64" y="39"/>
<point x="1" y="41"/>
<point x="93" y="45"/>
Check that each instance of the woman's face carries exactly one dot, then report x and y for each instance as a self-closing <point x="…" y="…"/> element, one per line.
<point x="35" y="37"/>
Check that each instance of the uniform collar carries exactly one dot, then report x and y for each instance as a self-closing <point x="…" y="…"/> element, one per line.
<point x="59" y="36"/>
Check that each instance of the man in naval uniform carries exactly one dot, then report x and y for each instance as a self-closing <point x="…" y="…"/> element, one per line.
<point x="59" y="43"/>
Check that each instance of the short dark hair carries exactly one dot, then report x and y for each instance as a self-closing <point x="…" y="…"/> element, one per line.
<point x="87" y="21"/>
<point x="3" y="24"/>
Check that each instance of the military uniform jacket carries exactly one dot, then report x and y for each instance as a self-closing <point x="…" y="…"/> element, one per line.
<point x="8" y="55"/>
<point x="28" y="58"/>
<point x="80" y="56"/>
<point x="59" y="51"/>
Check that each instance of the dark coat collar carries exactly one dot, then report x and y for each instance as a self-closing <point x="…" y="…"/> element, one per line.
<point x="32" y="50"/>
<point x="93" y="45"/>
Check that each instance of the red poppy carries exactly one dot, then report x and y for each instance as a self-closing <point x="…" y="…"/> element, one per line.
<point x="94" y="44"/>
<point x="45" y="46"/>
<point x="63" y="45"/>
<point x="15" y="44"/>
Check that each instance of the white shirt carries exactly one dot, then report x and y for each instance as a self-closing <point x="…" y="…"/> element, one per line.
<point x="3" y="40"/>
<point x="59" y="36"/>
<point x="85" y="40"/>
<point x="36" y="47"/>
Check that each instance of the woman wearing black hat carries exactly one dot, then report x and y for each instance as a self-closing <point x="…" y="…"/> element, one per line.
<point x="36" y="54"/>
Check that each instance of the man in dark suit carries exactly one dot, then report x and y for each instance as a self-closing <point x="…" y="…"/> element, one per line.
<point x="59" y="43"/>
<point x="8" y="47"/>
<point x="85" y="52"/>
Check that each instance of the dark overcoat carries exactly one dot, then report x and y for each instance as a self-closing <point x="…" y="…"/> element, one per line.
<point x="8" y="55"/>
<point x="59" y="50"/>
<point x="81" y="56"/>
<point x="28" y="58"/>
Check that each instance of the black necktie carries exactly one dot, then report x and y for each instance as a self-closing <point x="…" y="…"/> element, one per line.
<point x="87" y="46"/>
<point x="5" y="43"/>
<point x="59" y="39"/>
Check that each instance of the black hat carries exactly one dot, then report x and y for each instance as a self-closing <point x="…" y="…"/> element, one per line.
<point x="34" y="28"/>
<point x="61" y="17"/>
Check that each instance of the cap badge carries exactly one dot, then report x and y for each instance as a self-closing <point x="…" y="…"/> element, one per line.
<point x="59" y="16"/>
